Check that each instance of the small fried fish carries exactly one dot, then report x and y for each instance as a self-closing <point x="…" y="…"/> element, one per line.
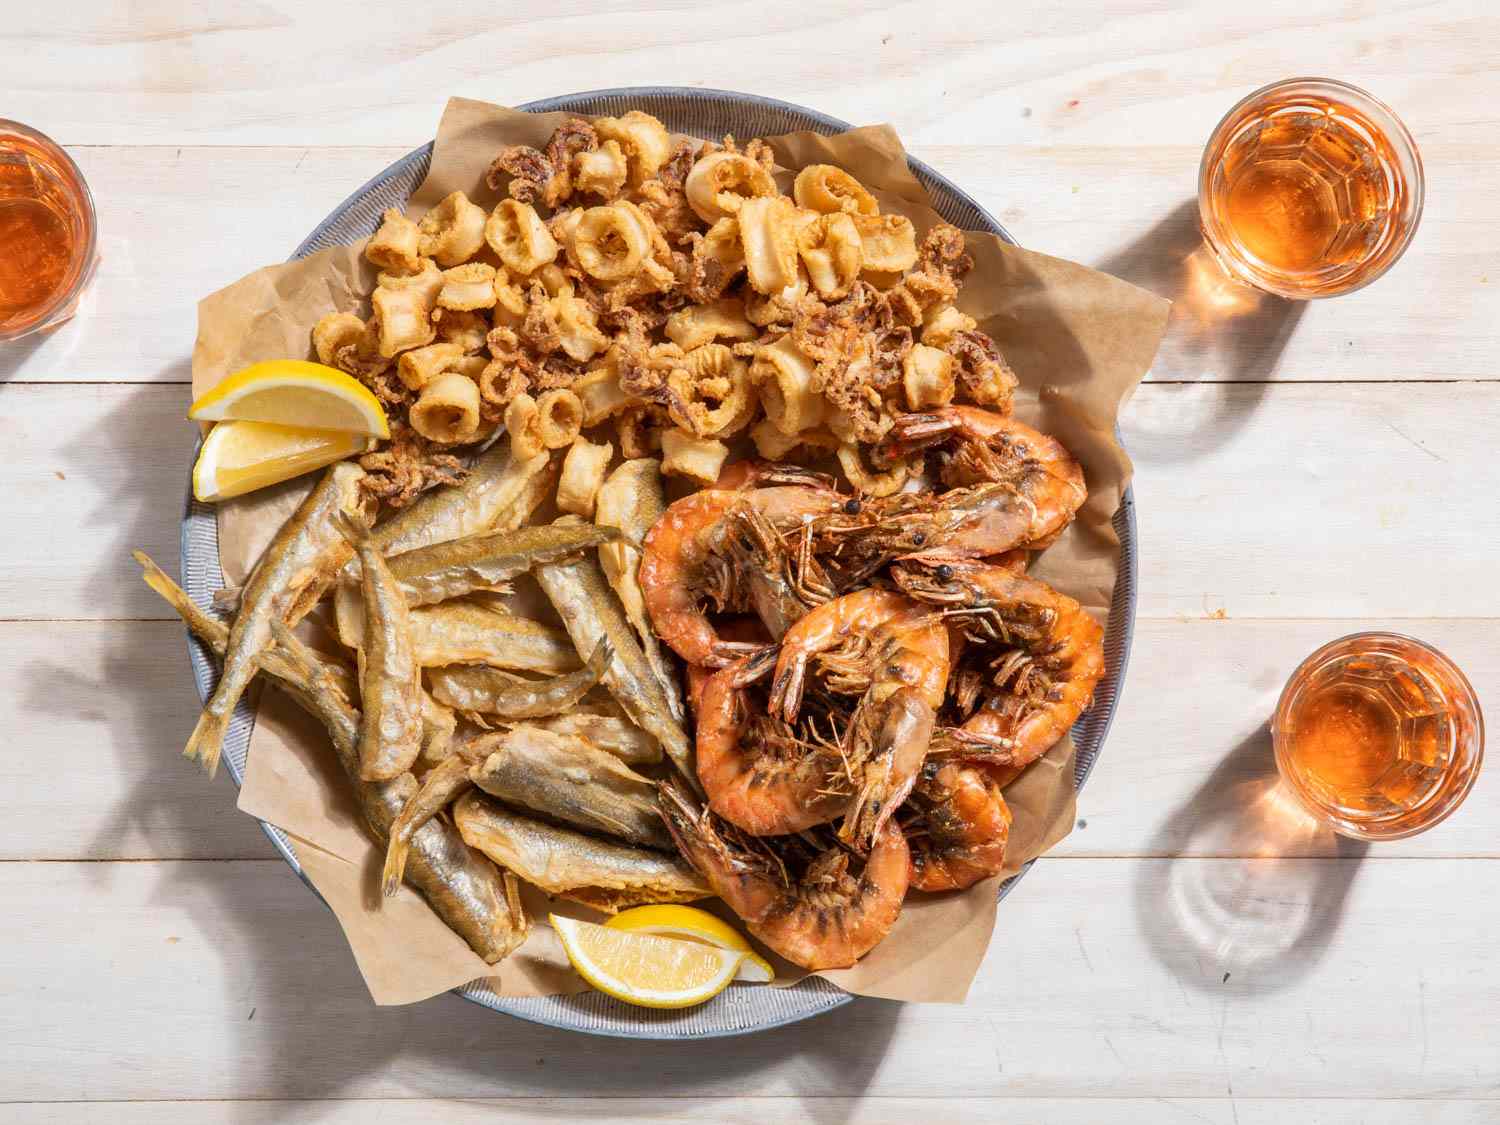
<point x="478" y="688"/>
<point x="561" y="861"/>
<point x="451" y="569"/>
<point x="290" y="577"/>
<point x="390" y="684"/>
<point x="568" y="780"/>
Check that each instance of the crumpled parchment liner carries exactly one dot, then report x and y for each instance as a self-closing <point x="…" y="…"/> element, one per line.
<point x="1079" y="340"/>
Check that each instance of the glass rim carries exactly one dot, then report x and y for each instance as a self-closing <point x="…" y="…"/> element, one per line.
<point x="1464" y="692"/>
<point x="1356" y="98"/>
<point x="88" y="252"/>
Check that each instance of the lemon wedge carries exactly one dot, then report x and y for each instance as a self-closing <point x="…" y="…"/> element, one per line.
<point x="688" y="923"/>
<point x="654" y="972"/>
<point x="239" y="457"/>
<point x="294" y="392"/>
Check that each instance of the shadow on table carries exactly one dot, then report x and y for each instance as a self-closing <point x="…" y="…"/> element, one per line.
<point x="305" y="1028"/>
<point x="1252" y="907"/>
<point x="1220" y="331"/>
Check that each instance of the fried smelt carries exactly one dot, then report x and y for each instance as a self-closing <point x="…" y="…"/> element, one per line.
<point x="567" y="780"/>
<point x="590" y="612"/>
<point x="477" y="688"/>
<point x="470" y="894"/>
<point x="390" y="686"/>
<point x="632" y="500"/>
<point x="290" y="577"/>
<point x="450" y="569"/>
<point x="562" y="861"/>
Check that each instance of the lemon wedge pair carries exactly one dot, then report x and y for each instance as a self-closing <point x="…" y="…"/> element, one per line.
<point x="277" y="420"/>
<point x="661" y="956"/>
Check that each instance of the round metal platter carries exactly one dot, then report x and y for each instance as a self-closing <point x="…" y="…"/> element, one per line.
<point x="710" y="114"/>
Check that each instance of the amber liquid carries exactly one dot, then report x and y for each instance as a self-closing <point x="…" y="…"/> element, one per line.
<point x="42" y="227"/>
<point x="1376" y="732"/>
<point x="1306" y="196"/>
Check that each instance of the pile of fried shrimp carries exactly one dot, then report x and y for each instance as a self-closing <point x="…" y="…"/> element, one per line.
<point x="780" y="647"/>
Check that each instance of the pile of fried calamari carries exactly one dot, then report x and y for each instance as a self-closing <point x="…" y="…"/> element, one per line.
<point x="674" y="293"/>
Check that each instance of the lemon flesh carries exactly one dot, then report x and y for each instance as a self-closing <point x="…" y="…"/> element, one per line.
<point x="240" y="457"/>
<point x="688" y="923"/>
<point x="654" y="972"/>
<point x="294" y="392"/>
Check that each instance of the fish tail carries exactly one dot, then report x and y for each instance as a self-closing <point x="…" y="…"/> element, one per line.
<point x="206" y="742"/>
<point x="395" y="864"/>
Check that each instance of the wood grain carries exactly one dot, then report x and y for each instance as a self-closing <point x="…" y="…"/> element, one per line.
<point x="1187" y="768"/>
<point x="1346" y="501"/>
<point x="947" y="73"/>
<point x="1125" y="209"/>
<point x="1107" y="978"/>
<point x="1356" y="987"/>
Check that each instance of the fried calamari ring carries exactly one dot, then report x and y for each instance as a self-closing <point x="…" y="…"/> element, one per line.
<point x="447" y="412"/>
<point x="577" y="327"/>
<point x="524" y="424"/>
<point x="582" y="475"/>
<point x="769" y="228"/>
<point x="405" y="319"/>
<point x="335" y="331"/>
<point x="418" y="367"/>
<point x="721" y="182"/>
<point x="942" y="323"/>
<point x="468" y="329"/>
<point x="692" y="326"/>
<point x="519" y="238"/>
<point x="453" y="231"/>
<point x="711" y="372"/>
<point x="609" y="243"/>
<point x="868" y="481"/>
<point x="716" y="260"/>
<point x="559" y="418"/>
<point x="642" y="138"/>
<point x="927" y="378"/>
<point x="831" y="190"/>
<point x="395" y="245"/>
<point x="888" y="243"/>
<point x="788" y="384"/>
<point x="832" y="251"/>
<point x="699" y="459"/>
<point x="467" y="287"/>
<point x="601" y="172"/>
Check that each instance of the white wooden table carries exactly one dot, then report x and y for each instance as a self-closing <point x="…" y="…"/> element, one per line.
<point x="1301" y="474"/>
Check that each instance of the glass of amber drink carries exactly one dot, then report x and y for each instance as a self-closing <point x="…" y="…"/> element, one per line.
<point x="1379" y="735"/>
<point x="47" y="232"/>
<point x="1309" y="188"/>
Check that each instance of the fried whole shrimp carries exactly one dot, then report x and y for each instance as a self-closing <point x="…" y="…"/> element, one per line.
<point x="1051" y="659"/>
<point x="1008" y="486"/>
<point x="687" y="561"/>
<point x="757" y="773"/>
<point x="826" y="918"/>
<point x="959" y="827"/>
<point x="893" y="649"/>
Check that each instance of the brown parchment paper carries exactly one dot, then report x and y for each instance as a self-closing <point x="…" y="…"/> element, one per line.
<point x="1079" y="340"/>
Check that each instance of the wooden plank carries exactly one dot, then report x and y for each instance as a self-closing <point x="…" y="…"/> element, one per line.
<point x="757" y="1111"/>
<point x="1302" y="501"/>
<point x="1187" y="767"/>
<point x="346" y="73"/>
<point x="94" y="472"/>
<point x="1354" y="501"/>
<point x="98" y="715"/>
<point x="192" y="981"/>
<point x="1120" y="208"/>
